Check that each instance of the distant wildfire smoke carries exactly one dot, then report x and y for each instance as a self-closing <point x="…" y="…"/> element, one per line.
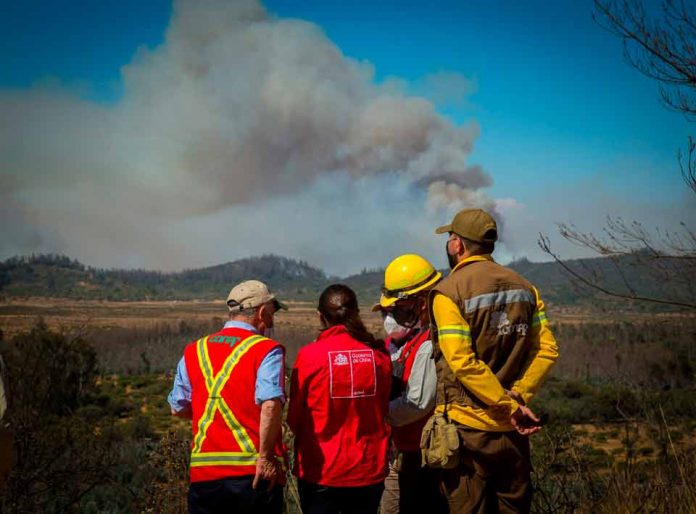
<point x="235" y="115"/>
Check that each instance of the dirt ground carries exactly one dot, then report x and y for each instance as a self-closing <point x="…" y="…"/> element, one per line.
<point x="645" y="441"/>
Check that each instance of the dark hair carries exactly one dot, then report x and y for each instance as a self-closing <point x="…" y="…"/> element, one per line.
<point x="476" y="248"/>
<point x="338" y="305"/>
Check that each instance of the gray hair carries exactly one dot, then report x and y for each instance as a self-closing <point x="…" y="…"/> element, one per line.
<point x="247" y="314"/>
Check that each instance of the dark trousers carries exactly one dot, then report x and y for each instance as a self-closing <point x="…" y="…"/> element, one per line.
<point x="419" y="487"/>
<point x="234" y="495"/>
<point x="321" y="499"/>
<point x="493" y="475"/>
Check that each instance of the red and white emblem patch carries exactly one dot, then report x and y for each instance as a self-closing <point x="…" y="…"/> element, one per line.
<point x="352" y="374"/>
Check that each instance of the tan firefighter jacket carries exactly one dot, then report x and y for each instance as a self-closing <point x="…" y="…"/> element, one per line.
<point x="490" y="334"/>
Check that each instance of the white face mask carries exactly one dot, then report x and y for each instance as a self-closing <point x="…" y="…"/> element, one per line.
<point x="393" y="329"/>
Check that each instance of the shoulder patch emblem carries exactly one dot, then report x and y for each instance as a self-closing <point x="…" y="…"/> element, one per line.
<point x="501" y="323"/>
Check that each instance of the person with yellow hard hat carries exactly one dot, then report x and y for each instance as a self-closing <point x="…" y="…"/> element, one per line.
<point x="404" y="306"/>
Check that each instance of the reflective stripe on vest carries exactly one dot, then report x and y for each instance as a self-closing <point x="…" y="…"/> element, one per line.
<point x="458" y="331"/>
<point x="504" y="297"/>
<point x="214" y="384"/>
<point x="539" y="319"/>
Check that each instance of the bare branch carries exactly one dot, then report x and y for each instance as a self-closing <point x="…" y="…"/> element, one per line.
<point x="662" y="49"/>
<point x="595" y="283"/>
<point x="622" y="238"/>
<point x="688" y="165"/>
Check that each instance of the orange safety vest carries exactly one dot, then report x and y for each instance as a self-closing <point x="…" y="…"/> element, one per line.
<point x="225" y="418"/>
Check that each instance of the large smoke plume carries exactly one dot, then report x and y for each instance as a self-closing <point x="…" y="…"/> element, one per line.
<point x="241" y="134"/>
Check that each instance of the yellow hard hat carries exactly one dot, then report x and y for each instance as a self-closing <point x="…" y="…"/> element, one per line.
<point x="406" y="275"/>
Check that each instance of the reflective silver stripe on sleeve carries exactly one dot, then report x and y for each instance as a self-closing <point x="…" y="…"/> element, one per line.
<point x="498" y="298"/>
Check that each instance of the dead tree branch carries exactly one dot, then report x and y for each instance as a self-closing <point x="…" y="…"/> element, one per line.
<point x="594" y="281"/>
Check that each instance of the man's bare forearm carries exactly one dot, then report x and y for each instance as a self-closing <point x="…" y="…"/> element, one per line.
<point x="269" y="426"/>
<point x="267" y="468"/>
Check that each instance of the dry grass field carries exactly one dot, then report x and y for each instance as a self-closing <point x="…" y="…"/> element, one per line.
<point x="128" y="332"/>
<point x="67" y="314"/>
<point x="126" y="335"/>
<point x="18" y="314"/>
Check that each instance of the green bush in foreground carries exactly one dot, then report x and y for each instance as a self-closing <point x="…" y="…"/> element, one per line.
<point x="77" y="450"/>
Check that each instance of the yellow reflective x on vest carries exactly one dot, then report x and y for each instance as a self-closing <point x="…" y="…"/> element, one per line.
<point x="216" y="403"/>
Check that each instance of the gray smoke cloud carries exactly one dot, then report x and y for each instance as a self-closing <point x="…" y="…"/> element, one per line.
<point x="241" y="134"/>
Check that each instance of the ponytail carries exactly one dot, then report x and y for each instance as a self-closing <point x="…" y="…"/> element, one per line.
<point x="338" y="305"/>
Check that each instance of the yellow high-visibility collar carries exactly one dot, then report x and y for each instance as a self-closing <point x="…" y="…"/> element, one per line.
<point x="473" y="258"/>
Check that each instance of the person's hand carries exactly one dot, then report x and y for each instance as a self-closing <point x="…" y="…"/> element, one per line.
<point x="267" y="471"/>
<point x="525" y="421"/>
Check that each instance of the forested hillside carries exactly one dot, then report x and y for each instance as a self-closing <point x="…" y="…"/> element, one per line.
<point x="60" y="276"/>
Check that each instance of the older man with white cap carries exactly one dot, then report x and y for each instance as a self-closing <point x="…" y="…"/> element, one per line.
<point x="231" y="385"/>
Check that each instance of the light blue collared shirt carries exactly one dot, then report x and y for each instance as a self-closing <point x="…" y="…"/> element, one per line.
<point x="270" y="377"/>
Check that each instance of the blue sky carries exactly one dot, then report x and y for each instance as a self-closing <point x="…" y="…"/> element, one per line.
<point x="553" y="90"/>
<point x="561" y="114"/>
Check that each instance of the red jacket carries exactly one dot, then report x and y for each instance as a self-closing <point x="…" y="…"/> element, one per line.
<point x="225" y="418"/>
<point x="339" y="397"/>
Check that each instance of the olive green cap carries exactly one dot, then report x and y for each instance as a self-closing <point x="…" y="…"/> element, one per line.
<point x="473" y="224"/>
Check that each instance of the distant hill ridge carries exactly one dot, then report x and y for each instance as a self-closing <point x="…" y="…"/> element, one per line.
<point x="60" y="276"/>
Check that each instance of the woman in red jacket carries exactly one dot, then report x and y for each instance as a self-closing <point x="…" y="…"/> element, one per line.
<point x="339" y="397"/>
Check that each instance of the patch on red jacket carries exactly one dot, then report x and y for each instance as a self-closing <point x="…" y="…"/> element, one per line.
<point x="352" y="373"/>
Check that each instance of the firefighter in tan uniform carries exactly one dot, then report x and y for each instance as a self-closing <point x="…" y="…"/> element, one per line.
<point x="492" y="349"/>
